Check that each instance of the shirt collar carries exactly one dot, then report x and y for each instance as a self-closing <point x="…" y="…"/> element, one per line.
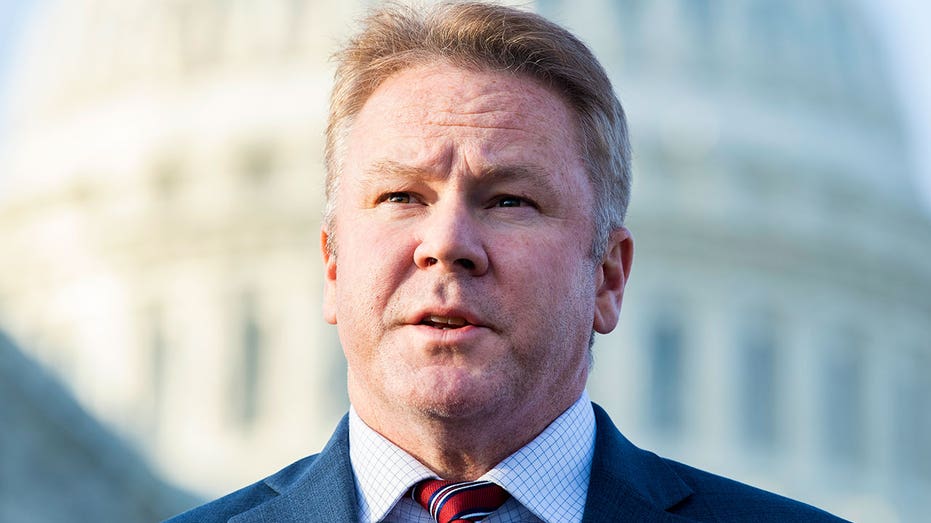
<point x="383" y="471"/>
<point x="549" y="476"/>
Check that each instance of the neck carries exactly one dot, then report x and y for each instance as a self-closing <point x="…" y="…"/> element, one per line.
<point x="461" y="448"/>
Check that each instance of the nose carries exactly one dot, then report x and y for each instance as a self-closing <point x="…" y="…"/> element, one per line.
<point x="451" y="240"/>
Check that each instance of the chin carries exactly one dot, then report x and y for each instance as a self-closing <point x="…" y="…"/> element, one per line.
<point x="465" y="409"/>
<point x="450" y="401"/>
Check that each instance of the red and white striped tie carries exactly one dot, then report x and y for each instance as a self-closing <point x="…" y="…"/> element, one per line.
<point x="459" y="502"/>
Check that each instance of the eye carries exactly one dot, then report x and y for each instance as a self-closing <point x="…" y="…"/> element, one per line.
<point x="395" y="197"/>
<point x="511" y="201"/>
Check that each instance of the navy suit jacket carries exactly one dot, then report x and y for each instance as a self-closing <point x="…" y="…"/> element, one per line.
<point x="627" y="484"/>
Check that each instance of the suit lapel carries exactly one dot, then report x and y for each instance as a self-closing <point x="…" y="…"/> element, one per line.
<point x="629" y="484"/>
<point x="325" y="490"/>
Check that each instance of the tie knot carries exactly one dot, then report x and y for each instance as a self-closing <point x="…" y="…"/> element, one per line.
<point x="463" y="501"/>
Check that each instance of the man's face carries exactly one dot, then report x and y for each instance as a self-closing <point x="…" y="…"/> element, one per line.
<point x="462" y="284"/>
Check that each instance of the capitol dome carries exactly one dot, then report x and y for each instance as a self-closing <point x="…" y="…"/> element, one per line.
<point x="159" y="72"/>
<point x="162" y="193"/>
<point x="780" y="279"/>
<point x="161" y="204"/>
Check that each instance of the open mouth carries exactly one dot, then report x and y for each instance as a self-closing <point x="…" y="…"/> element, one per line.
<point x="444" y="322"/>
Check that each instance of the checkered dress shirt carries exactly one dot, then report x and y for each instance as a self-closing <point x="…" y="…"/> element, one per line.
<point x="547" y="478"/>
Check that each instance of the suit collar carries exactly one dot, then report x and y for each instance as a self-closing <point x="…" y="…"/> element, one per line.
<point x="322" y="490"/>
<point x="627" y="483"/>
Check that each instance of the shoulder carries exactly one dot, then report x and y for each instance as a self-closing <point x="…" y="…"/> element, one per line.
<point x="312" y="489"/>
<point x="718" y="498"/>
<point x="629" y="480"/>
<point x="222" y="509"/>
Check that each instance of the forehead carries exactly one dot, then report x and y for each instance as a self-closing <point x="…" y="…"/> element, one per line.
<point x="465" y="91"/>
<point x="495" y="113"/>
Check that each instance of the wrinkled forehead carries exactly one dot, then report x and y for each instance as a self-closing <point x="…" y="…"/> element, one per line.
<point x="343" y="115"/>
<point x="447" y="96"/>
<point x="472" y="91"/>
<point x="426" y="106"/>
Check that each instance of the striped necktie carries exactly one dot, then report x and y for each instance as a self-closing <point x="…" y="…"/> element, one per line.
<point x="459" y="502"/>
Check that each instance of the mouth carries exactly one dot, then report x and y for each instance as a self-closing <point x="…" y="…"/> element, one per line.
<point x="444" y="322"/>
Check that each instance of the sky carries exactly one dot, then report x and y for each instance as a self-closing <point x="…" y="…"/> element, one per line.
<point x="903" y="24"/>
<point x="11" y="23"/>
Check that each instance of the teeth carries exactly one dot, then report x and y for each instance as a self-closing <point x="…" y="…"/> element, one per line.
<point x="455" y="322"/>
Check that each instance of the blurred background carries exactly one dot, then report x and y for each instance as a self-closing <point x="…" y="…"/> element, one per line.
<point x="161" y="339"/>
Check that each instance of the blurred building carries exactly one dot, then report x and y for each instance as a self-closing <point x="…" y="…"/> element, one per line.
<point x="160" y="215"/>
<point x="776" y="323"/>
<point x="58" y="465"/>
<point x="160" y="205"/>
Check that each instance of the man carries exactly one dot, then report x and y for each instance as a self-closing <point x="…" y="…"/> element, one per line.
<point x="478" y="172"/>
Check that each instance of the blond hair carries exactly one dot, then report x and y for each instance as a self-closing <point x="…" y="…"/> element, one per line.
<point x="484" y="36"/>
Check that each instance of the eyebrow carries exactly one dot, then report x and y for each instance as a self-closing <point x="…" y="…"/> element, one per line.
<point x="494" y="174"/>
<point x="393" y="169"/>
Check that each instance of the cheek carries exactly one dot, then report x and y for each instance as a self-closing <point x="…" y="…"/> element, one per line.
<point x="379" y="239"/>
<point x="372" y="264"/>
<point x="377" y="248"/>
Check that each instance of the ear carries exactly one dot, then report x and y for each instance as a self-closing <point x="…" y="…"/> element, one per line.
<point x="611" y="277"/>
<point x="329" y="279"/>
